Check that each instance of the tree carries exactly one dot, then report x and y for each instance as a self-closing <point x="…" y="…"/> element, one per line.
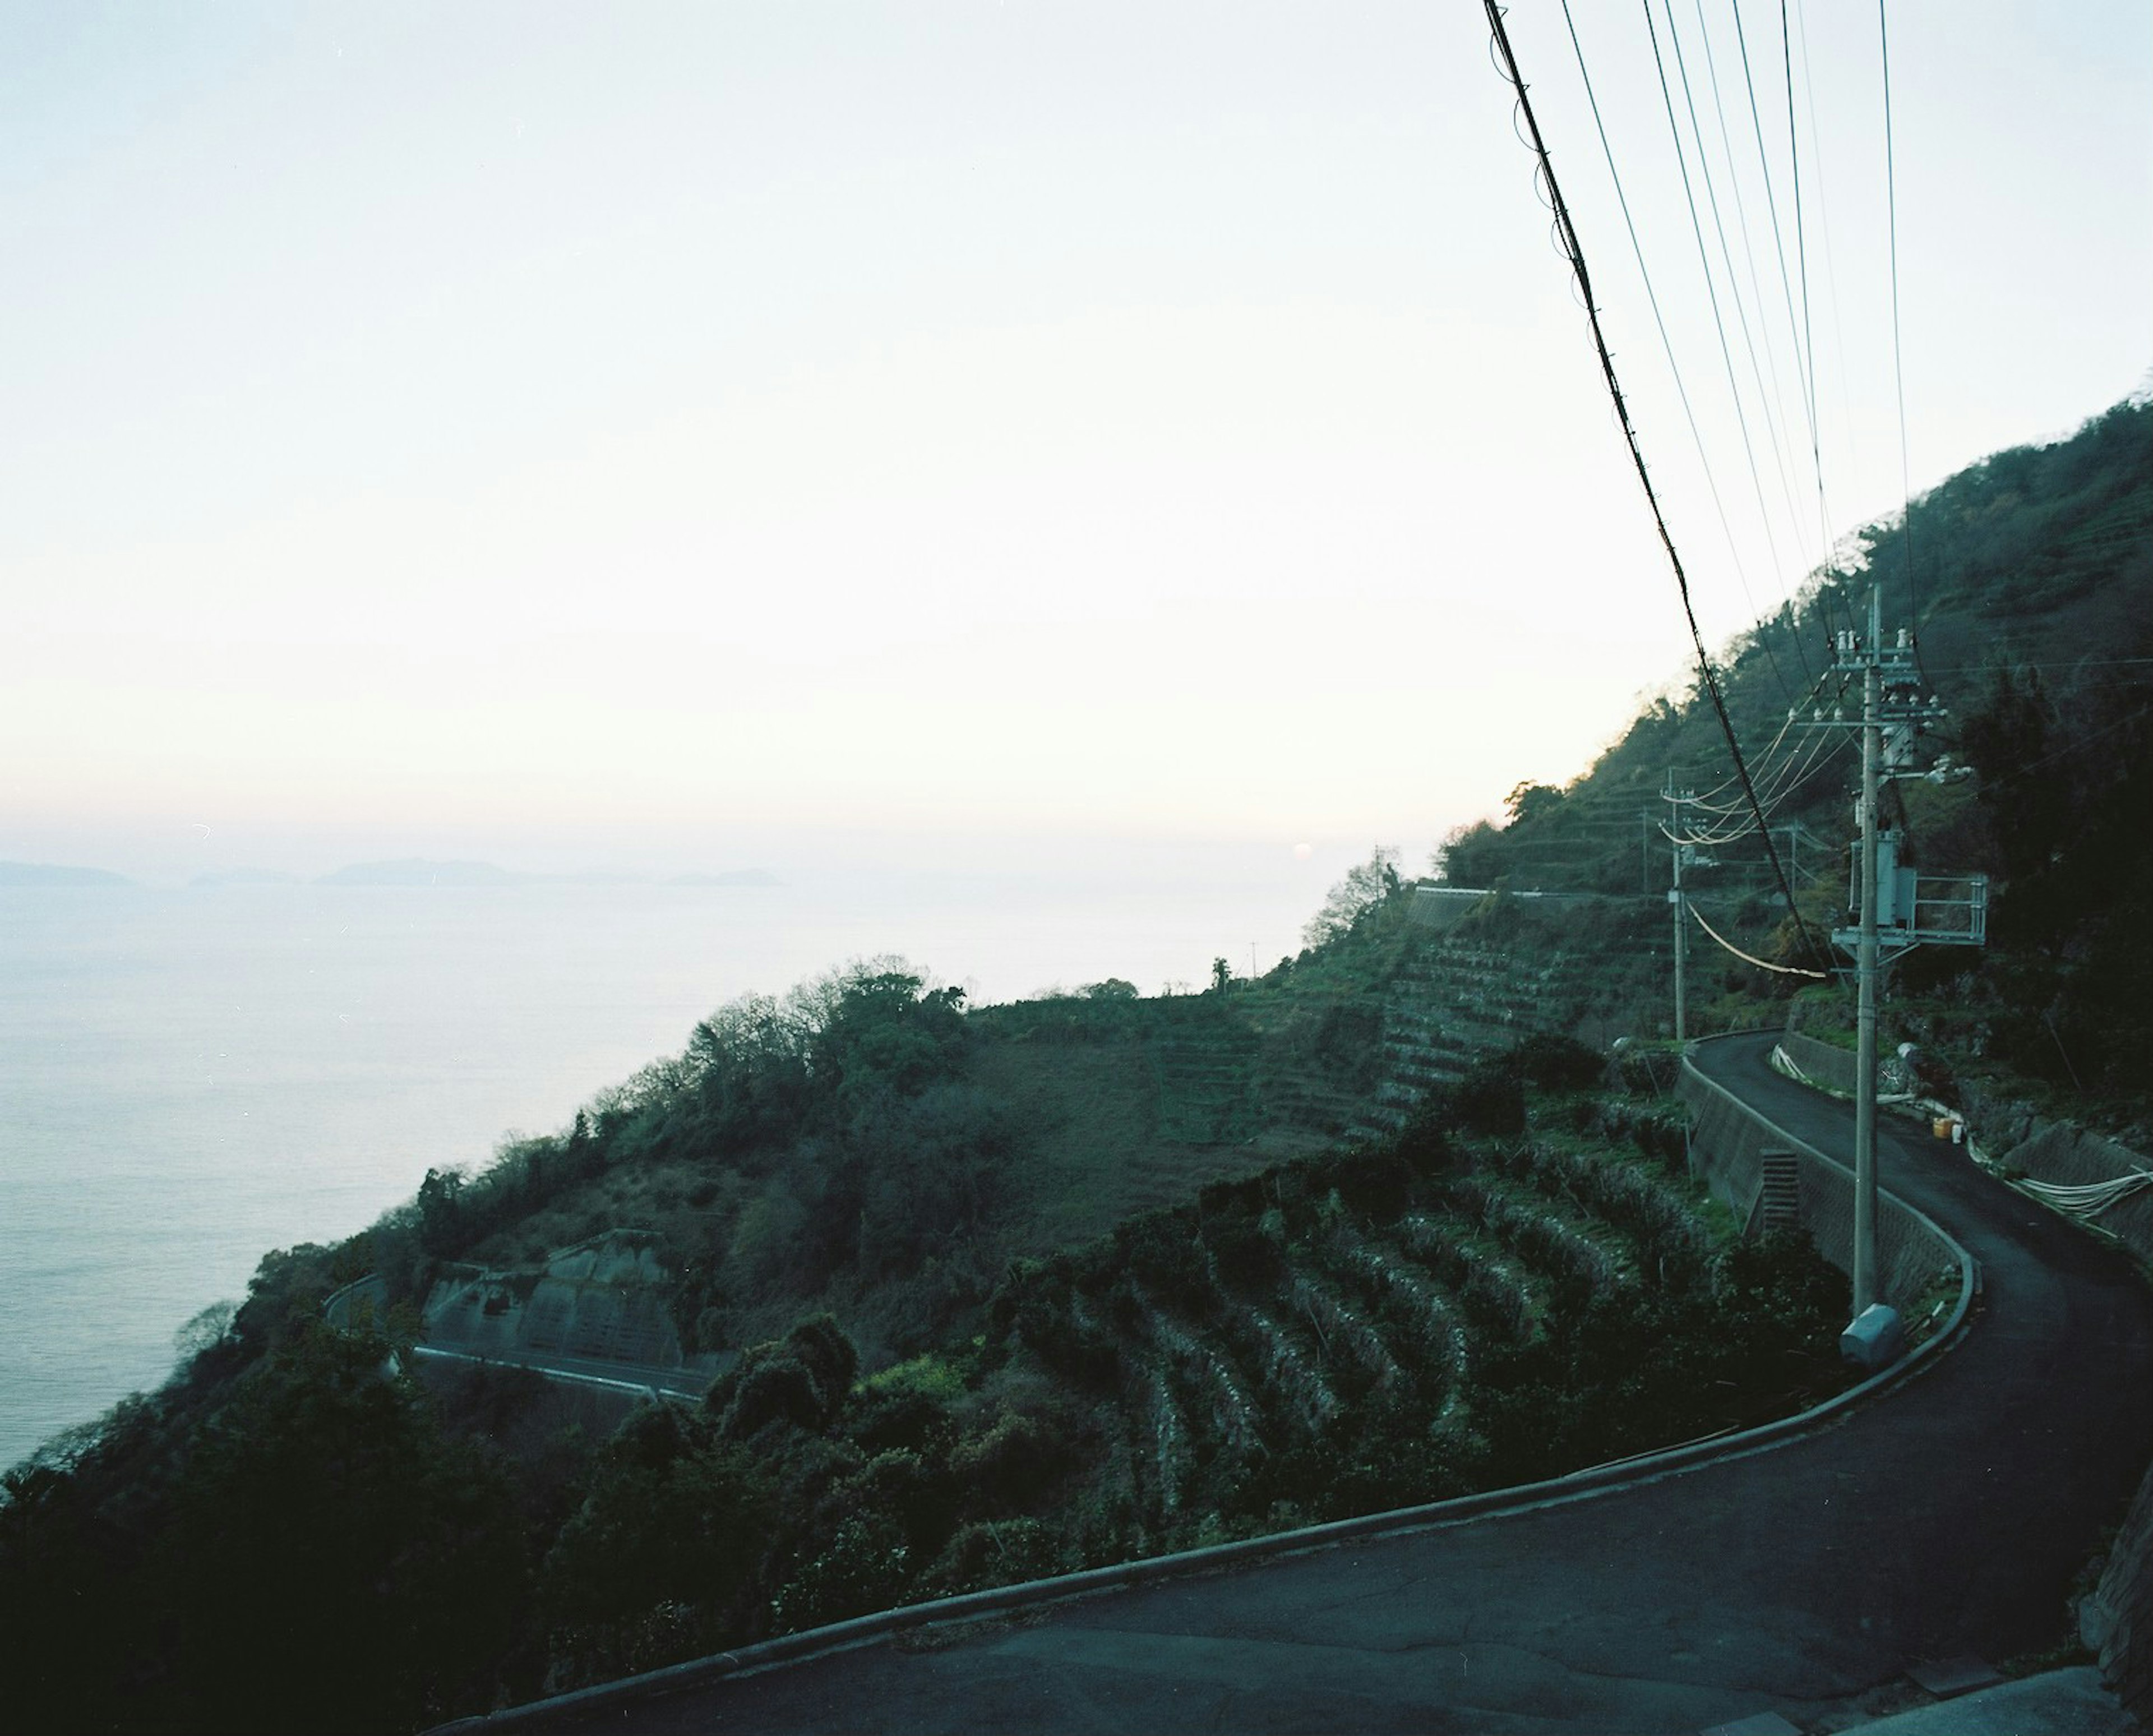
<point x="1366" y="886"/>
<point x="1113" y="988"/>
<point x="1466" y="858"/>
<point x="1222" y="975"/>
<point x="1529" y="800"/>
<point x="337" y="1562"/>
<point x="440" y="1215"/>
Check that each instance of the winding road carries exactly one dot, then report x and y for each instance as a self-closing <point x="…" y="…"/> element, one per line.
<point x="1949" y="1516"/>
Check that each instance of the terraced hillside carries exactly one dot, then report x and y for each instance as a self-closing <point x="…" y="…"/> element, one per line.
<point x="1133" y="1104"/>
<point x="1492" y="1297"/>
<point x="1484" y="973"/>
<point x="1428" y="1292"/>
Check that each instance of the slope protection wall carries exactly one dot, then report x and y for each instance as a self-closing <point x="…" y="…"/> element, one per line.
<point x="1728" y="1142"/>
<point x="601" y="1300"/>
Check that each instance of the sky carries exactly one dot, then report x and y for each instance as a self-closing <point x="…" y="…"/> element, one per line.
<point x="676" y="437"/>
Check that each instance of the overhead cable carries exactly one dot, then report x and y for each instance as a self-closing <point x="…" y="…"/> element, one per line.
<point x="1764" y="397"/>
<point x="1653" y="299"/>
<point x="1804" y="360"/>
<point x="1575" y="248"/>
<point x="1898" y="365"/>
<point x="1750" y="958"/>
<point x="1710" y="283"/>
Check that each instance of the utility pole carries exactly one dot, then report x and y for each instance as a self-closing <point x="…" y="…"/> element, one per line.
<point x="1681" y="914"/>
<point x="1887" y="911"/>
<point x="1864" y="970"/>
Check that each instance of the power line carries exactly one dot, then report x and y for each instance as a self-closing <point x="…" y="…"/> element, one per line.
<point x="1727" y="258"/>
<point x="1750" y="958"/>
<point x="1652" y="296"/>
<point x="1756" y="289"/>
<point x="1711" y="286"/>
<point x="2073" y="663"/>
<point x="1824" y="231"/>
<point x="1804" y="357"/>
<point x="1567" y="230"/>
<point x="1898" y="367"/>
<point x="1829" y="593"/>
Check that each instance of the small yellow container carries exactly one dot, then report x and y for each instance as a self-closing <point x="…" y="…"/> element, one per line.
<point x="1942" y="1126"/>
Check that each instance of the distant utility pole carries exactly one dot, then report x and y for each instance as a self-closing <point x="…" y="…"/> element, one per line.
<point x="1888" y="909"/>
<point x="1794" y="832"/>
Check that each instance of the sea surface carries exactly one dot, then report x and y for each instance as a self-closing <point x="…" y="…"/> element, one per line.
<point x="191" y="1077"/>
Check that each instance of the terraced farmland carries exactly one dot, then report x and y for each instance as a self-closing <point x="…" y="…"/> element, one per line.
<point x="1132" y="1106"/>
<point x="1398" y="1324"/>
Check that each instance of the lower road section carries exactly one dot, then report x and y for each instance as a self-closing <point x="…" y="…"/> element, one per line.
<point x="1950" y="1516"/>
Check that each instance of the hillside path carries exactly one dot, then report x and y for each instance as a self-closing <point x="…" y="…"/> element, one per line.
<point x="1948" y="1517"/>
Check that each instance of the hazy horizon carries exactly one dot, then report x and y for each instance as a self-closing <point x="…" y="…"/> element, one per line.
<point x="1032" y="427"/>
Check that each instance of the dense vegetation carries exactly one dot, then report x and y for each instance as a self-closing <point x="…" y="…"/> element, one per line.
<point x="296" y="1531"/>
<point x="2030" y="576"/>
<point x="867" y="1145"/>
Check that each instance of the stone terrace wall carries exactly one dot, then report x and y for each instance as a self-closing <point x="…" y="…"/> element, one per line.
<point x="1727" y="1139"/>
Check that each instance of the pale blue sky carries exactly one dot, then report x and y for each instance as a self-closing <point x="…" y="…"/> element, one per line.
<point x="657" y="430"/>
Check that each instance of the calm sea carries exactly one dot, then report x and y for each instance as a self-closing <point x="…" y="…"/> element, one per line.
<point x="191" y="1077"/>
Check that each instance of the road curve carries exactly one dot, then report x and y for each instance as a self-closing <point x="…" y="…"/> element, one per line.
<point x="1948" y="1517"/>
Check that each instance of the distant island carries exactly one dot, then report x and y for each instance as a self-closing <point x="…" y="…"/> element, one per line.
<point x="46" y="874"/>
<point x="244" y="877"/>
<point x="415" y="871"/>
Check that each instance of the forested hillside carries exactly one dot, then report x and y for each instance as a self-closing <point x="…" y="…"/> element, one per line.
<point x="2029" y="580"/>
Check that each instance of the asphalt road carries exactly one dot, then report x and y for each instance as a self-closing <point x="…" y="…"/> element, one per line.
<point x="1951" y="1516"/>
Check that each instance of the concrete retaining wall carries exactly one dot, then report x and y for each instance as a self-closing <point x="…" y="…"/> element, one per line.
<point x="2065" y="1157"/>
<point x="1828" y="1065"/>
<point x="1832" y="1067"/>
<point x="1726" y="1141"/>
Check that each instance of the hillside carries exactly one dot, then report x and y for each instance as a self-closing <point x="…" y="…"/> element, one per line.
<point x="991" y="1292"/>
<point x="1464" y="1303"/>
<point x="2032" y="592"/>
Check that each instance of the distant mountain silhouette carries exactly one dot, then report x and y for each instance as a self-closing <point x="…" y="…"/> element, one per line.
<point x="45" y="873"/>
<point x="245" y="877"/>
<point x="416" y="871"/>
